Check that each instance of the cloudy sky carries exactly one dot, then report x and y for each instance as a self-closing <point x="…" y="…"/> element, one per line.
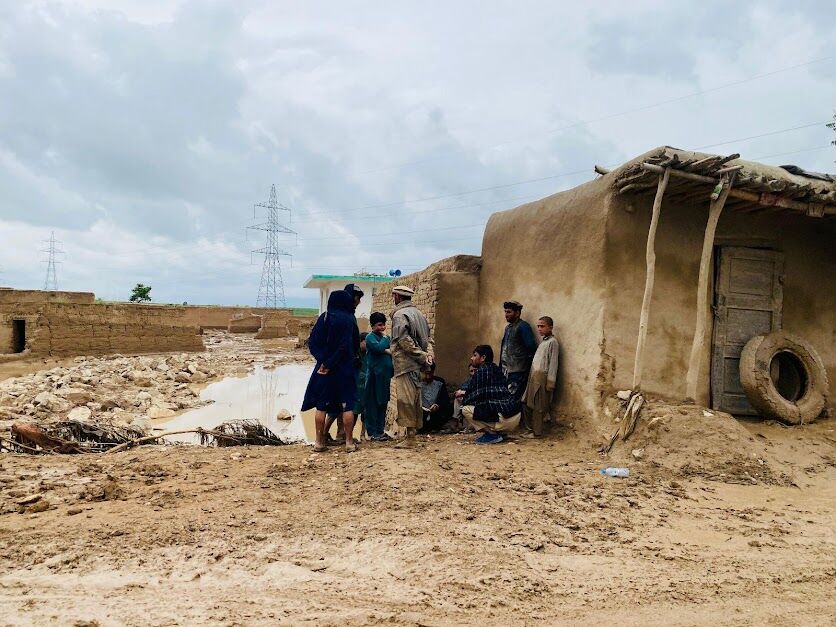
<point x="143" y="132"/>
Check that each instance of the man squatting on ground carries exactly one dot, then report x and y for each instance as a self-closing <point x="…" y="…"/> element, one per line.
<point x="411" y="350"/>
<point x="435" y="402"/>
<point x="539" y="392"/>
<point x="488" y="404"/>
<point x="517" y="349"/>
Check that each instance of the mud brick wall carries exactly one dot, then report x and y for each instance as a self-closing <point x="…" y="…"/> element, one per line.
<point x="13" y="297"/>
<point x="97" y="329"/>
<point x="209" y="317"/>
<point x="274" y="325"/>
<point x="281" y="323"/>
<point x="244" y="324"/>
<point x="303" y="332"/>
<point x="428" y="288"/>
<point x="447" y="292"/>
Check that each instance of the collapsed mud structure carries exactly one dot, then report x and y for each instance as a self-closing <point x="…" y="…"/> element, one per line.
<point x="36" y="323"/>
<point x="654" y="286"/>
<point x="65" y="324"/>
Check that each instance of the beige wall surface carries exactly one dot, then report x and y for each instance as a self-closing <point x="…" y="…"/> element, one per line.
<point x="446" y="293"/>
<point x="209" y="317"/>
<point x="809" y="300"/>
<point x="457" y="324"/>
<point x="69" y="329"/>
<point x="549" y="255"/>
<point x="39" y="296"/>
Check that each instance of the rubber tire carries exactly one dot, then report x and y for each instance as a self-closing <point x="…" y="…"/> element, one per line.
<point x="755" y="361"/>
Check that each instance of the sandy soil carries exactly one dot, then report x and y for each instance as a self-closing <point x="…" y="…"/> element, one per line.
<point x="720" y="522"/>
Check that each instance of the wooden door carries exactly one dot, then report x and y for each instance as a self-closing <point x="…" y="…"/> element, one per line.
<point x="747" y="302"/>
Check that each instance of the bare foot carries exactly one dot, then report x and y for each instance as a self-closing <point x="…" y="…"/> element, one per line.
<point x="319" y="447"/>
<point x="350" y="447"/>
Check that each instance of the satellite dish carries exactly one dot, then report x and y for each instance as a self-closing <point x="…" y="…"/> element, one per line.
<point x="394" y="272"/>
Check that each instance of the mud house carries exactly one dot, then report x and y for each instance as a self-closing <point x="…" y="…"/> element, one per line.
<point x="657" y="273"/>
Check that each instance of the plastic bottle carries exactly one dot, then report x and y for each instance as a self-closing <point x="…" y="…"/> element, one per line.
<point x="616" y="472"/>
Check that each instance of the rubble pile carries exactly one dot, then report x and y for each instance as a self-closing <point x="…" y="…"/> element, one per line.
<point x="127" y="391"/>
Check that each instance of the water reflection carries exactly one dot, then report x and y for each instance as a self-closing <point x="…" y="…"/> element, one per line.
<point x="260" y="395"/>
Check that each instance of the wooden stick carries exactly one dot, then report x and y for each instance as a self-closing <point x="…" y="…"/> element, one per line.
<point x="599" y="169"/>
<point x="650" y="259"/>
<point x="634" y="417"/>
<point x="703" y="311"/>
<point x="12" y="443"/>
<point x="148" y="438"/>
<point x="731" y="168"/>
<point x="622" y="424"/>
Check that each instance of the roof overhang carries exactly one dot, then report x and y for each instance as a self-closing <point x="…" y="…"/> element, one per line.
<point x="756" y="186"/>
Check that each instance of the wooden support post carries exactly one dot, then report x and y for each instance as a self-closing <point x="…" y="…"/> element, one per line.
<point x="703" y="311"/>
<point x="650" y="258"/>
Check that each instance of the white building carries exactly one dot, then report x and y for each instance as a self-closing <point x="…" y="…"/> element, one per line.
<point x="370" y="284"/>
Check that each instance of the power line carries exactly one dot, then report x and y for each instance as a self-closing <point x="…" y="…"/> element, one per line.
<point x="778" y="132"/>
<point x="51" y="280"/>
<point x="401" y="232"/>
<point x="603" y="118"/>
<point x="271" y="288"/>
<point x="538" y="180"/>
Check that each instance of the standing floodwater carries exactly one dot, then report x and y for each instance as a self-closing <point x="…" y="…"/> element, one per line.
<point x="260" y="395"/>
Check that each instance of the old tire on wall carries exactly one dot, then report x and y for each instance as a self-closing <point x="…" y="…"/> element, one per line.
<point x="784" y="377"/>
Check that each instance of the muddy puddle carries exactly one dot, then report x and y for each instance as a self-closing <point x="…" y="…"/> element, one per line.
<point x="260" y="395"/>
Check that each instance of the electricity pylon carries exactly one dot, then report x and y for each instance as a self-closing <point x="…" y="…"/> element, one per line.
<point x="271" y="289"/>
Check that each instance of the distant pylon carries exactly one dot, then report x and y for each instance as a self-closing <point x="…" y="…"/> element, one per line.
<point x="51" y="281"/>
<point x="271" y="289"/>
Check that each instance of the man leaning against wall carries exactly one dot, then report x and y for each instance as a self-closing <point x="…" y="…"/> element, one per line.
<point x="411" y="350"/>
<point x="517" y="350"/>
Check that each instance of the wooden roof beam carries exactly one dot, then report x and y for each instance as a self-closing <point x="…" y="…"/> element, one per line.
<point x="812" y="209"/>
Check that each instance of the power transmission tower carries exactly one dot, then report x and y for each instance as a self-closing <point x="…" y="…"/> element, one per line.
<point x="271" y="289"/>
<point x="51" y="281"/>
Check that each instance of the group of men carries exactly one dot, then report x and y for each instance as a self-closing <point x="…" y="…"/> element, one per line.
<point x="353" y="373"/>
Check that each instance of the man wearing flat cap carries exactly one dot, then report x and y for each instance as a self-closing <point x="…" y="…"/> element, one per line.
<point x="412" y="349"/>
<point x="518" y="348"/>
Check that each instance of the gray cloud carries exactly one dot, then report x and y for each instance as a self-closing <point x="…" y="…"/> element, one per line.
<point x="144" y="132"/>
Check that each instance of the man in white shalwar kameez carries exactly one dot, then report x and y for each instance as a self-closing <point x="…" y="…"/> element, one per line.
<point x="539" y="393"/>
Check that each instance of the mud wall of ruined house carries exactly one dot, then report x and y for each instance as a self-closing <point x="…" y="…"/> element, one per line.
<point x="61" y="324"/>
<point x="447" y="292"/>
<point x="67" y="329"/>
<point x="218" y="317"/>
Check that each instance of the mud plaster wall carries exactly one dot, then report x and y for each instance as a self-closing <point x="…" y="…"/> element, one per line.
<point x="209" y="317"/>
<point x="281" y="323"/>
<point x="809" y="300"/>
<point x="14" y="297"/>
<point x="447" y="294"/>
<point x="549" y="255"/>
<point x="67" y="329"/>
<point x="246" y="324"/>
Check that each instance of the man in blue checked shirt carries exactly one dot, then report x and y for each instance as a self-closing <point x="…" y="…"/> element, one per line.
<point x="488" y="405"/>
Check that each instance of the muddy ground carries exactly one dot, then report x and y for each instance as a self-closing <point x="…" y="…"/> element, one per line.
<point x="731" y="526"/>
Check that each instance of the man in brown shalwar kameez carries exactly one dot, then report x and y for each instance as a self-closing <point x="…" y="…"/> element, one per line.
<point x="539" y="392"/>
<point x="412" y="349"/>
